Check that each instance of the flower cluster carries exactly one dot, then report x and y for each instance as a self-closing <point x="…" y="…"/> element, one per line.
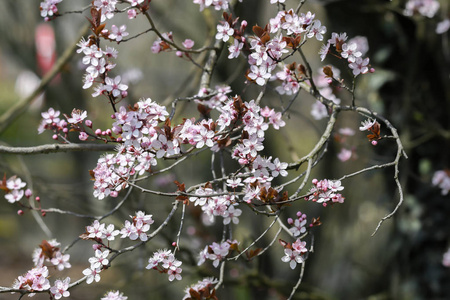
<point x="165" y="262"/>
<point x="14" y="188"/>
<point x="204" y="288"/>
<point x="97" y="67"/>
<point x="137" y="229"/>
<point x="441" y="179"/>
<point x="374" y="127"/>
<point x="114" y="295"/>
<point x="298" y="225"/>
<point x="60" y="288"/>
<point x="76" y="122"/>
<point x="217" y="4"/>
<point x="216" y="252"/>
<point x="352" y="51"/>
<point x="49" y="251"/>
<point x="145" y="140"/>
<point x="98" y="262"/>
<point x="36" y="280"/>
<point x="325" y="191"/>
<point x="48" y="9"/>
<point x="426" y="8"/>
<point x="294" y="253"/>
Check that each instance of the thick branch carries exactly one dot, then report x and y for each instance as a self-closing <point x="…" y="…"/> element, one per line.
<point x="52" y="148"/>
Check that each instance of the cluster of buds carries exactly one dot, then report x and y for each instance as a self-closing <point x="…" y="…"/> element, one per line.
<point x="325" y="191"/>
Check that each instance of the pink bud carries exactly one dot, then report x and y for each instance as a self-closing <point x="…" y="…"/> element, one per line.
<point x="174" y="244"/>
<point x="88" y="123"/>
<point x="103" y="132"/>
<point x="124" y="94"/>
<point x="65" y="130"/>
<point x="314" y="181"/>
<point x="371" y="70"/>
<point x="299" y="213"/>
<point x="290" y="221"/>
<point x="114" y="194"/>
<point x="108" y="132"/>
<point x="43" y="213"/>
<point x="55" y="137"/>
<point x="113" y="116"/>
<point x="38" y="199"/>
<point x="28" y="193"/>
<point x="374" y="143"/>
<point x="98" y="131"/>
<point x="179" y="53"/>
<point x="96" y="247"/>
<point x="20" y="212"/>
<point x="131" y="14"/>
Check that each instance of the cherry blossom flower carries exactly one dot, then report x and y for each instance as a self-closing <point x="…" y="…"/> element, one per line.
<point x="49" y="9"/>
<point x="114" y="86"/>
<point x="61" y="261"/>
<point x="188" y="43"/>
<point x="367" y="124"/>
<point x="131" y="13"/>
<point x="359" y="66"/>
<point x="14" y="196"/>
<point x="114" y="295"/>
<point x="92" y="275"/>
<point x="51" y="116"/>
<point x="60" y="288"/>
<point x="235" y="49"/>
<point x="99" y="260"/>
<point x="324" y="50"/>
<point x="316" y="30"/>
<point x="206" y="283"/>
<point x="292" y="257"/>
<point x="231" y="214"/>
<point x="77" y="116"/>
<point x="349" y="51"/>
<point x="224" y="32"/>
<point x="118" y="33"/>
<point x="441" y="179"/>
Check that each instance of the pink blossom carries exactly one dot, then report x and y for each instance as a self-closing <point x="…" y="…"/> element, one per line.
<point x="114" y="86"/>
<point x="118" y="33"/>
<point x="60" y="288"/>
<point x="114" y="295"/>
<point x="359" y="66"/>
<point x="188" y="44"/>
<point x="224" y="32"/>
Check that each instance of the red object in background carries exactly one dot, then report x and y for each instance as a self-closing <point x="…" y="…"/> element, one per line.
<point x="45" y="48"/>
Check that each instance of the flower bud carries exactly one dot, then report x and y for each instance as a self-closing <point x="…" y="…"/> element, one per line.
<point x="55" y="137"/>
<point x="98" y="131"/>
<point x="28" y="193"/>
<point x="88" y="123"/>
<point x="38" y="199"/>
<point x="374" y="143"/>
<point x="20" y="212"/>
